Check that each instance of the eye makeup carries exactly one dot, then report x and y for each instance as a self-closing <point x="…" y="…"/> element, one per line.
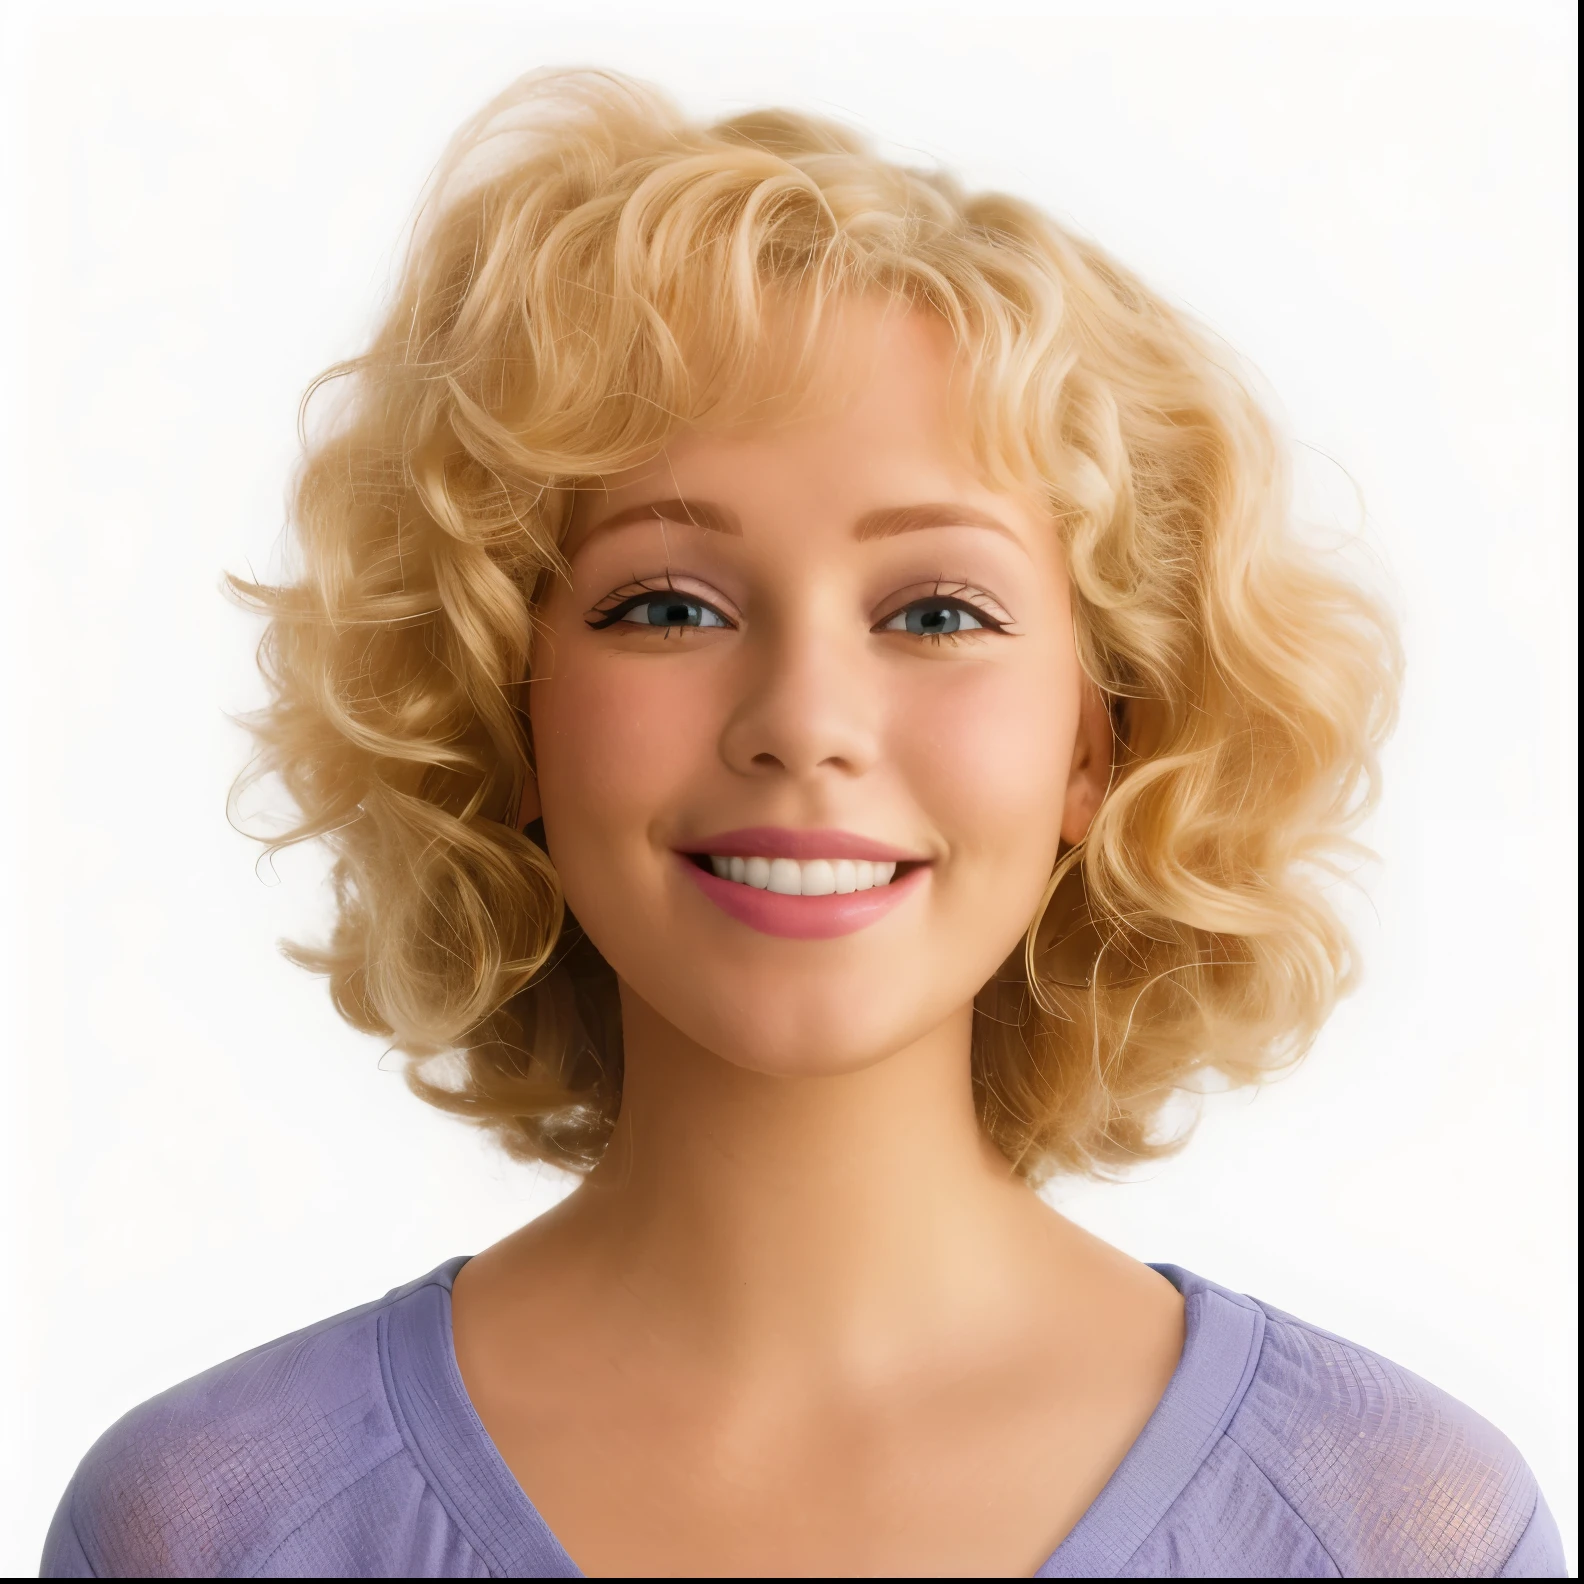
<point x="946" y="608"/>
<point x="943" y="609"/>
<point x="656" y="603"/>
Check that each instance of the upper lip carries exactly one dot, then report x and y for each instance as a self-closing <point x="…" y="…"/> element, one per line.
<point x="779" y="841"/>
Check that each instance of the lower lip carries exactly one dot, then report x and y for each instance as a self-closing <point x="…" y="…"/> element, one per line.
<point x="801" y="917"/>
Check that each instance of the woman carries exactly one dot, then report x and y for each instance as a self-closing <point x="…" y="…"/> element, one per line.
<point x="823" y="722"/>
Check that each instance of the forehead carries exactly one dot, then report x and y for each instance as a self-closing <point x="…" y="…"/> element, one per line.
<point x="867" y="411"/>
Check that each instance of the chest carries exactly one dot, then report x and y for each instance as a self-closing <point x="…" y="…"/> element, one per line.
<point x="984" y="1480"/>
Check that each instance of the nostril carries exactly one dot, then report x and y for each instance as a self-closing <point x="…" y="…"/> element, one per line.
<point x="768" y="761"/>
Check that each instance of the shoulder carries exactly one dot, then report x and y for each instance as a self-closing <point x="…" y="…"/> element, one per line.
<point x="1391" y="1475"/>
<point x="225" y="1473"/>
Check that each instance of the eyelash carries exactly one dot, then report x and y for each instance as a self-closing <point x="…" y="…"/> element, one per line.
<point x="642" y="593"/>
<point x="628" y="599"/>
<point x="948" y="597"/>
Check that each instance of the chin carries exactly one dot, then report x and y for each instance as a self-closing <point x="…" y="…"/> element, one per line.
<point x="801" y="1035"/>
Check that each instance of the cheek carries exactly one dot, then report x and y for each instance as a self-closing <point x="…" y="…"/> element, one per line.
<point x="986" y="751"/>
<point x="614" y="735"/>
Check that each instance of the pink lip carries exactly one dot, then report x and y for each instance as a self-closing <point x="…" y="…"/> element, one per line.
<point x="776" y="841"/>
<point x="801" y="917"/>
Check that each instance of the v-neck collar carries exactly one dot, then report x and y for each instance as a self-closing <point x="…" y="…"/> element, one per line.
<point x="1221" y="1345"/>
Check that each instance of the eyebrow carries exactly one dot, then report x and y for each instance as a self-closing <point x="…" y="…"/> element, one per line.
<point x="891" y="520"/>
<point x="701" y="514"/>
<point x="879" y="524"/>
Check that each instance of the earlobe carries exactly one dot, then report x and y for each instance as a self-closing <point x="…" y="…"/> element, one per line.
<point x="1090" y="776"/>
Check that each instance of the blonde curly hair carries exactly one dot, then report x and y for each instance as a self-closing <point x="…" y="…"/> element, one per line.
<point x="590" y="271"/>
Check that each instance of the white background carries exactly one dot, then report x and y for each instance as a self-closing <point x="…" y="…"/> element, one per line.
<point x="1378" y="212"/>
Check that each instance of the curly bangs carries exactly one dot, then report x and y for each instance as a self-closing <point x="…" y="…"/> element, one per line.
<point x="589" y="273"/>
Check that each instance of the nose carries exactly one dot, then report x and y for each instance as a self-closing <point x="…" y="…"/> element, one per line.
<point x="808" y="702"/>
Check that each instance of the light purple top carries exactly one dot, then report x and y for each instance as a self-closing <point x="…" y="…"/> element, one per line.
<point x="351" y="1450"/>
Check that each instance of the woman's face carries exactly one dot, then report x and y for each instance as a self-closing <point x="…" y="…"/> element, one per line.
<point x="791" y="657"/>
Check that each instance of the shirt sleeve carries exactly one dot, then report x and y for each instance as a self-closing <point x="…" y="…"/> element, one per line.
<point x="1538" y="1553"/>
<point x="64" y="1556"/>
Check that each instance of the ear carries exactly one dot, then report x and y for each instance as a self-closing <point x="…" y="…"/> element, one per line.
<point x="1090" y="776"/>
<point x="528" y="809"/>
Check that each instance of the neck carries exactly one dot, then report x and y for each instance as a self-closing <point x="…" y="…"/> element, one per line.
<point x="808" y="1213"/>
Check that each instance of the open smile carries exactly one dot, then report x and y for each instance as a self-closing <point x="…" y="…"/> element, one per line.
<point x="805" y="877"/>
<point x="802" y="885"/>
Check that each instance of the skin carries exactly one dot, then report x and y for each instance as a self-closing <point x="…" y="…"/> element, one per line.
<point x="803" y="1318"/>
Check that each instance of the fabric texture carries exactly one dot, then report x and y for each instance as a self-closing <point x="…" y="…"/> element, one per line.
<point x="351" y="1450"/>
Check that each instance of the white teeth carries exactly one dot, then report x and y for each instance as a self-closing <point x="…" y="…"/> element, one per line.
<point x="819" y="879"/>
<point x="810" y="877"/>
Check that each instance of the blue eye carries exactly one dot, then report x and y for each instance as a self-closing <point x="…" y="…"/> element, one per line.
<point x="667" y="609"/>
<point x="673" y="610"/>
<point x="934" y="618"/>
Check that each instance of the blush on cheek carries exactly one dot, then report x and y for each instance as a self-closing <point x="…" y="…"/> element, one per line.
<point x="615" y="737"/>
<point x="987" y="757"/>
